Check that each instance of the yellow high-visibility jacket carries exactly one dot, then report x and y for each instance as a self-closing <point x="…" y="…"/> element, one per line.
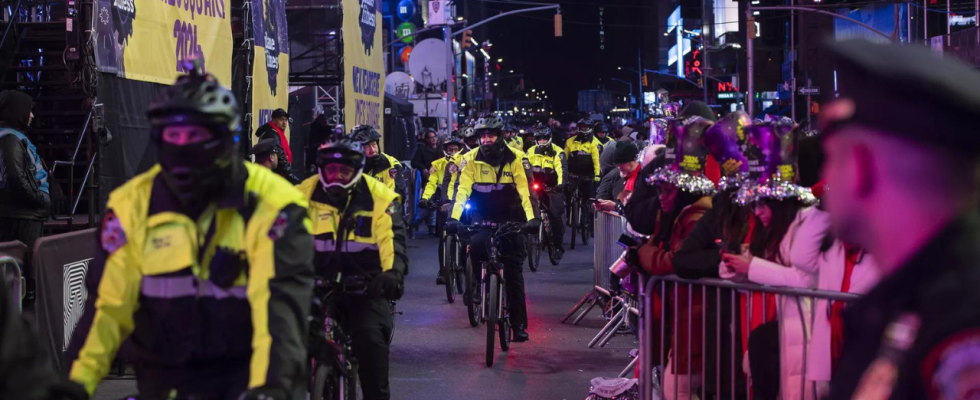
<point x="548" y="164"/>
<point x="443" y="175"/>
<point x="583" y="158"/>
<point x="496" y="193"/>
<point x="232" y="284"/>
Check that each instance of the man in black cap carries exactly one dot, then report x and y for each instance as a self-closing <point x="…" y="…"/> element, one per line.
<point x="614" y="183"/>
<point x="901" y="174"/>
<point x="265" y="154"/>
<point x="276" y="129"/>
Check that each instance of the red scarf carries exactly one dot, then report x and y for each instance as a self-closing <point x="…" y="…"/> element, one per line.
<point x="851" y="257"/>
<point x="758" y="299"/>
<point x="285" y="143"/>
<point x="631" y="179"/>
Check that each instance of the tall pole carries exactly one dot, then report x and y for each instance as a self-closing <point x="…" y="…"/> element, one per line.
<point x="750" y="68"/>
<point x="639" y="76"/>
<point x="949" y="21"/>
<point x="925" y="21"/>
<point x="908" y="22"/>
<point x="450" y="85"/>
<point x="792" y="60"/>
<point x="704" y="46"/>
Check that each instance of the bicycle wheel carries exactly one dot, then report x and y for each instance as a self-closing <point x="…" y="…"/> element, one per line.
<point x="447" y="269"/>
<point x="533" y="253"/>
<point x="493" y="288"/>
<point x="459" y="261"/>
<point x="583" y="228"/>
<point x="574" y="216"/>
<point x="503" y="326"/>
<point x="472" y="308"/>
<point x="326" y="385"/>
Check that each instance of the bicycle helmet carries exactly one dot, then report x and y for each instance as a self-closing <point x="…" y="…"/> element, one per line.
<point x="489" y="122"/>
<point x="602" y="127"/>
<point x="492" y="125"/>
<point x="584" y="126"/>
<point x="452" y="140"/>
<point x="345" y="152"/>
<point x="470" y="139"/>
<point x="364" y="134"/>
<point x="195" y="99"/>
<point x="542" y="132"/>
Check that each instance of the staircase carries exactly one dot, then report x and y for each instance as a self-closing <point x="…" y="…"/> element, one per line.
<point x="35" y="58"/>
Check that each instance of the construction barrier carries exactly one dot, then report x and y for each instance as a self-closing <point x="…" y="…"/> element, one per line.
<point x="695" y="336"/>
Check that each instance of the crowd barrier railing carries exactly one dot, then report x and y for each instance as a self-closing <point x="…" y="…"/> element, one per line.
<point x="13" y="258"/>
<point x="608" y="227"/>
<point x="723" y="301"/>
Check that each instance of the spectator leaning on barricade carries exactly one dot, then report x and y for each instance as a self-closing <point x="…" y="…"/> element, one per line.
<point x="783" y="251"/>
<point x="685" y="195"/>
<point x="721" y="227"/>
<point x="619" y="180"/>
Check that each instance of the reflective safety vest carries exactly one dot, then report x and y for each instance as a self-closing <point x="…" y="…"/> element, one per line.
<point x="196" y="291"/>
<point x="547" y="165"/>
<point x="372" y="229"/>
<point x="516" y="143"/>
<point x="443" y="175"/>
<point x="386" y="170"/>
<point x="583" y="158"/>
<point x="496" y="193"/>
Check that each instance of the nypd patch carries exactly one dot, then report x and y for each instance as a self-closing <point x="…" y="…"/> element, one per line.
<point x="112" y="236"/>
<point x="278" y="229"/>
<point x="392" y="172"/>
<point x="527" y="164"/>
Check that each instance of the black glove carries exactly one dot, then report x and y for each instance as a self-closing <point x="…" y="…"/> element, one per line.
<point x="423" y="204"/>
<point x="264" y="393"/>
<point x="453" y="226"/>
<point x="388" y="284"/>
<point x="532" y="226"/>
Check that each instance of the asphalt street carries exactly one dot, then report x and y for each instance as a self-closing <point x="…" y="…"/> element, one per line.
<point x="436" y="353"/>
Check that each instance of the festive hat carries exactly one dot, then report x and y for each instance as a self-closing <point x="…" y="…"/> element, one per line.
<point x="687" y="169"/>
<point x="771" y="152"/>
<point x="725" y="141"/>
<point x="658" y="131"/>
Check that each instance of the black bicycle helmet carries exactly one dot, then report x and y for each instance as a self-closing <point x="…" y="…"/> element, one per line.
<point x="584" y="126"/>
<point x="195" y="99"/>
<point x="364" y="134"/>
<point x="602" y="127"/>
<point x="345" y="152"/>
<point x="489" y="122"/>
<point x="452" y="140"/>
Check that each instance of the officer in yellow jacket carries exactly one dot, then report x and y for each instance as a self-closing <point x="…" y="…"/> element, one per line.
<point x="510" y="136"/>
<point x="377" y="164"/>
<point x="495" y="184"/>
<point x="359" y="235"/>
<point x="204" y="264"/>
<point x="548" y="165"/>
<point x="582" y="152"/>
<point x="442" y="181"/>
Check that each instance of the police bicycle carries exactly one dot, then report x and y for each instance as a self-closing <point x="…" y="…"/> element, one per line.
<point x="451" y="260"/>
<point x="331" y="348"/>
<point x="492" y="305"/>
<point x="542" y="240"/>
<point x="578" y="217"/>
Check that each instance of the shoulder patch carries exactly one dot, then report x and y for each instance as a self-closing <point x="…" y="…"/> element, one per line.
<point x="527" y="164"/>
<point x="279" y="226"/>
<point x="112" y="236"/>
<point x="432" y="170"/>
<point x="463" y="163"/>
<point x="392" y="208"/>
<point x="392" y="172"/>
<point x="561" y="156"/>
<point x="952" y="368"/>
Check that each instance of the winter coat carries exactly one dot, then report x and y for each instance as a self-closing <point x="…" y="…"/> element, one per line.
<point x="830" y="267"/>
<point x="644" y="203"/>
<point x="659" y="261"/>
<point x="610" y="186"/>
<point x="800" y="247"/>
<point x="422" y="161"/>
<point x="24" y="189"/>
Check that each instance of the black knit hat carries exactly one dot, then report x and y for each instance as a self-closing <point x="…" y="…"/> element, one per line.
<point x="625" y="152"/>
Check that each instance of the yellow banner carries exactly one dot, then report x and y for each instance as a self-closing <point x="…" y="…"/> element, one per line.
<point x="364" y="69"/>
<point x="264" y="99"/>
<point x="144" y="39"/>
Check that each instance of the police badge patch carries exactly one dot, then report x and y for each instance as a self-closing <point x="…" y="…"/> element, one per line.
<point x="113" y="237"/>
<point x="527" y="164"/>
<point x="279" y="226"/>
<point x="392" y="172"/>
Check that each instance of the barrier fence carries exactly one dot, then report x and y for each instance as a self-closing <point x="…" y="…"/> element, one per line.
<point x="608" y="227"/>
<point x="13" y="258"/>
<point x="702" y="322"/>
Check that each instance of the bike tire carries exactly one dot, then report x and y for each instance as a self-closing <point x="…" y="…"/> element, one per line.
<point x="575" y="221"/>
<point x="472" y="309"/>
<point x="584" y="229"/>
<point x="447" y="270"/>
<point x="533" y="248"/>
<point x="325" y="384"/>
<point x="458" y="268"/>
<point x="493" y="285"/>
<point x="505" y="335"/>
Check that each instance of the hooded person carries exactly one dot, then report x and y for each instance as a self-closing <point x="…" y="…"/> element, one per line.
<point x="25" y="201"/>
<point x="685" y="196"/>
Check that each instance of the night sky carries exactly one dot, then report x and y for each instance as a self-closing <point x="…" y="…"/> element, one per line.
<point x="527" y="44"/>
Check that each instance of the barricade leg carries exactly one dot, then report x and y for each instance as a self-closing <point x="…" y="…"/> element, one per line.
<point x="578" y="305"/>
<point x="595" y="301"/>
<point x="614" y="322"/>
<point x="630" y="368"/>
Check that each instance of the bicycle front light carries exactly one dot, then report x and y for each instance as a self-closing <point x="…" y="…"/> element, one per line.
<point x="466" y="206"/>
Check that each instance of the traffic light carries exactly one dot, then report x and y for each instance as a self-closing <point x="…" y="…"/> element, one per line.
<point x="645" y="82"/>
<point x="466" y="42"/>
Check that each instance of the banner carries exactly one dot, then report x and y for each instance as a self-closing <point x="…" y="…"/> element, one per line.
<point x="364" y="69"/>
<point x="144" y="39"/>
<point x="270" y="68"/>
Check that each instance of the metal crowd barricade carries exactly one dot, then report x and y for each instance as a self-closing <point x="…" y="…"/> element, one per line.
<point x="805" y="299"/>
<point x="13" y="278"/>
<point x="608" y="227"/>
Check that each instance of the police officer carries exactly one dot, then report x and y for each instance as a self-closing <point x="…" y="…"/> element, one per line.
<point x="527" y="137"/>
<point x="442" y="180"/>
<point x="582" y="153"/>
<point x="470" y="140"/>
<point x="204" y="264"/>
<point x="602" y="134"/>
<point x="378" y="164"/>
<point x="548" y="165"/>
<point x="510" y="136"/>
<point x="359" y="234"/>
<point x="901" y="174"/>
<point x="495" y="184"/>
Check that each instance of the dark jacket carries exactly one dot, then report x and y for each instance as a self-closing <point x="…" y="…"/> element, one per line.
<point x="22" y="194"/>
<point x="644" y="203"/>
<point x="610" y="186"/>
<point x="939" y="286"/>
<point x="284" y="168"/>
<point x="425" y="156"/>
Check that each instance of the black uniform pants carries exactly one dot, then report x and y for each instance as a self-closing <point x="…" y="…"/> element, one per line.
<point x="511" y="253"/>
<point x="369" y="324"/>
<point x="555" y="202"/>
<point x="219" y="381"/>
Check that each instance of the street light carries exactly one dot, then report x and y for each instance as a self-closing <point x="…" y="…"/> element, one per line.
<point x="500" y="60"/>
